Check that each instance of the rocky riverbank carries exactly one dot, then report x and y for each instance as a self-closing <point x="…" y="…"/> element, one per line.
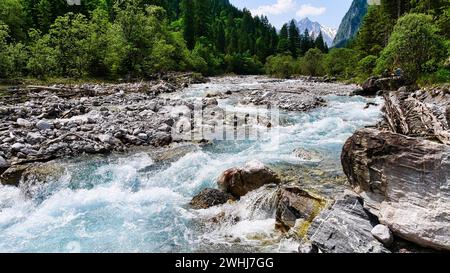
<point x="42" y="123"/>
<point x="401" y="168"/>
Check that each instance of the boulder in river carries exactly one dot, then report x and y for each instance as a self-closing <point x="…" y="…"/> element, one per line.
<point x="404" y="181"/>
<point x="296" y="208"/>
<point x="13" y="175"/>
<point x="345" y="228"/>
<point x="210" y="198"/>
<point x="240" y="181"/>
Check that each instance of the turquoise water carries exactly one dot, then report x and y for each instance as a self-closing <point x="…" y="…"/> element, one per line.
<point x="135" y="203"/>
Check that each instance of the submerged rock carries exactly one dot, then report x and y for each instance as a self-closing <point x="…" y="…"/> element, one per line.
<point x="307" y="155"/>
<point x="404" y="182"/>
<point x="210" y="198"/>
<point x="296" y="208"/>
<point x="345" y="228"/>
<point x="240" y="181"/>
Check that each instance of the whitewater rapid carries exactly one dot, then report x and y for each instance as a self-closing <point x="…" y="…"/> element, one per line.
<point x="136" y="202"/>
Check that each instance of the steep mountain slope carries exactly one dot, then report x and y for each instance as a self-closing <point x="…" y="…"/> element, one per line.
<point x="351" y="22"/>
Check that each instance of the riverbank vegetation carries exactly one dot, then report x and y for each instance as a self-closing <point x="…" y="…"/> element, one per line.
<point x="110" y="39"/>
<point x="411" y="35"/>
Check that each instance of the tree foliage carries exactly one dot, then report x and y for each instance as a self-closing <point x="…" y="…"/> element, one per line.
<point x="414" y="46"/>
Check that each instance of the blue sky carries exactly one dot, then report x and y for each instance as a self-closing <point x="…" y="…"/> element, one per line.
<point x="326" y="12"/>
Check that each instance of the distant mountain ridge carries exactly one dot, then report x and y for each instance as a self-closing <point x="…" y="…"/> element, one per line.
<point x="351" y="23"/>
<point x="314" y="28"/>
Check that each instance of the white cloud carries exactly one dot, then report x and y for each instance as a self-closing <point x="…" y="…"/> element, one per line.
<point x="280" y="7"/>
<point x="309" y="10"/>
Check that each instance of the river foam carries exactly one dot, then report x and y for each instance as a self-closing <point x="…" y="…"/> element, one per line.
<point x="132" y="203"/>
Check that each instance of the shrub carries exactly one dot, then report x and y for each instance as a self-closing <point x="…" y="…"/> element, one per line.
<point x="366" y="66"/>
<point x="282" y="66"/>
<point x="312" y="63"/>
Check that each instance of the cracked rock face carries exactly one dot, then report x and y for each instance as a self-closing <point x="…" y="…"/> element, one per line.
<point x="345" y="228"/>
<point x="404" y="181"/>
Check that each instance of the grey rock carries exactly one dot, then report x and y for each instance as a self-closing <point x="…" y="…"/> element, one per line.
<point x="404" y="182"/>
<point x="160" y="139"/>
<point x="376" y="84"/>
<point x="308" y="248"/>
<point x="23" y="122"/>
<point x="345" y="228"/>
<point x="44" y="125"/>
<point x="142" y="136"/>
<point x="18" y="146"/>
<point x="34" y="138"/>
<point x="383" y="234"/>
<point x="108" y="139"/>
<point x="210" y="198"/>
<point x="3" y="164"/>
<point x="240" y="181"/>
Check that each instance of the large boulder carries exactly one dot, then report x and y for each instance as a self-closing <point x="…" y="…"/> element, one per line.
<point x="240" y="181"/>
<point x="345" y="228"/>
<point x="404" y="182"/>
<point x="296" y="208"/>
<point x="210" y="198"/>
<point x="375" y="84"/>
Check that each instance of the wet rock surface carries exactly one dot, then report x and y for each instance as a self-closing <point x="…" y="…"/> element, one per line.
<point x="296" y="209"/>
<point x="240" y="181"/>
<point x="210" y="198"/>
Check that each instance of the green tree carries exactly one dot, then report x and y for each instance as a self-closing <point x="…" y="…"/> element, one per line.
<point x="187" y="9"/>
<point x="312" y="63"/>
<point x="221" y="40"/>
<point x="366" y="66"/>
<point x="13" y="15"/>
<point x="69" y="36"/>
<point x="340" y="62"/>
<point x="42" y="61"/>
<point x="282" y="66"/>
<point x="375" y="31"/>
<point x="306" y="42"/>
<point x="320" y="43"/>
<point x="294" y="39"/>
<point x="414" y="46"/>
<point x="44" y="14"/>
<point x="283" y="42"/>
<point x="4" y="62"/>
